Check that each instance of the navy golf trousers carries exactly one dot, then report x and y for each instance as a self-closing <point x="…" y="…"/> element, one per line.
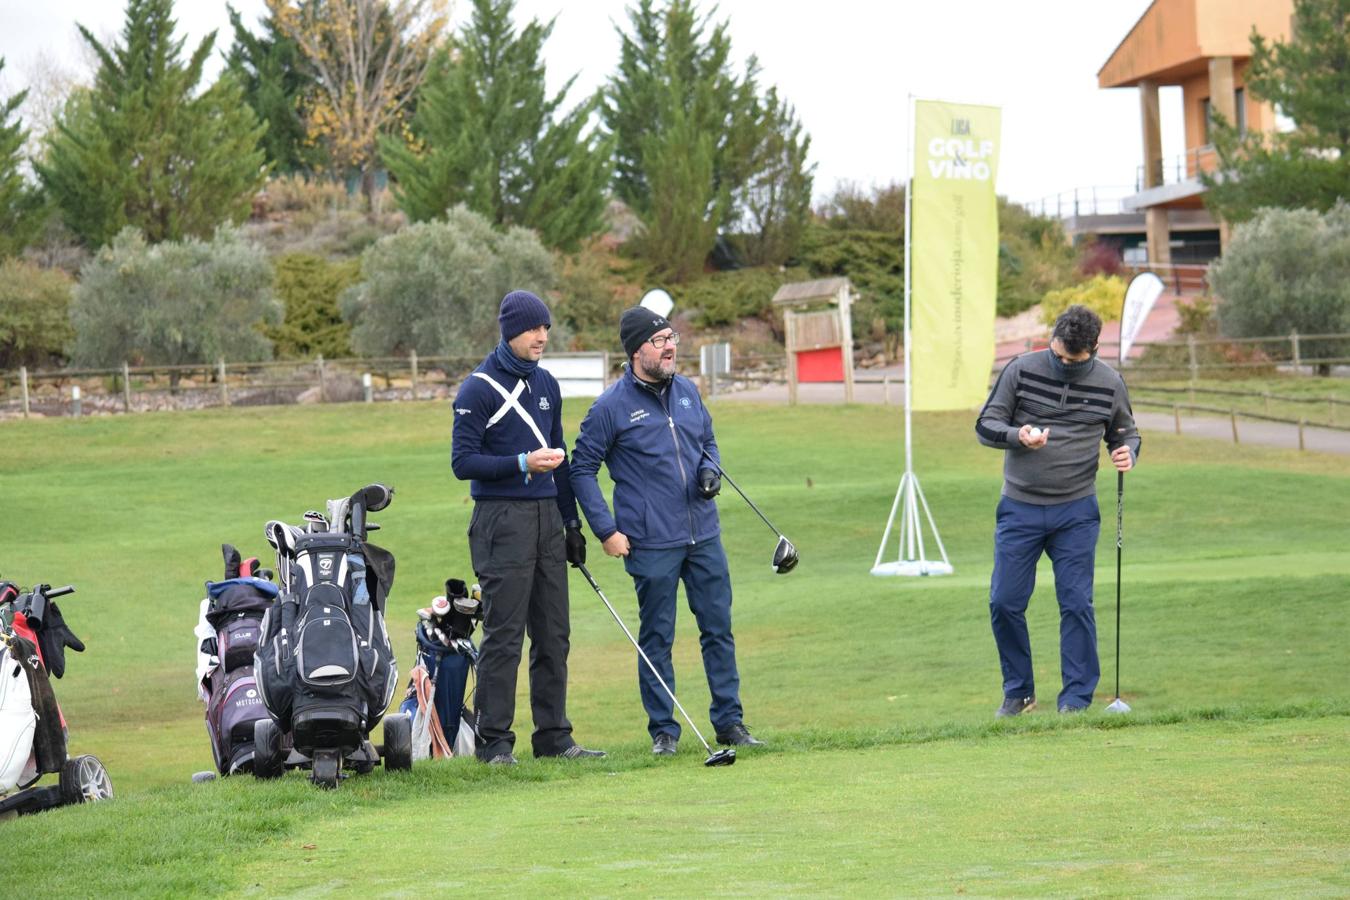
<point x="707" y="586"/>
<point x="1067" y="533"/>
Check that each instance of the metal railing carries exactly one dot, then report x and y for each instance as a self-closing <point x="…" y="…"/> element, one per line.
<point x="1179" y="169"/>
<point x="1107" y="200"/>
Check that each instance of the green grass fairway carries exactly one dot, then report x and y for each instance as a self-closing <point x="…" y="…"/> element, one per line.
<point x="886" y="774"/>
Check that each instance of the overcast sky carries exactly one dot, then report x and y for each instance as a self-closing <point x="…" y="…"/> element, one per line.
<point x="848" y="66"/>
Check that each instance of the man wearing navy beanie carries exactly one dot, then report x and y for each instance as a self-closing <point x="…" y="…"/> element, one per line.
<point x="508" y="445"/>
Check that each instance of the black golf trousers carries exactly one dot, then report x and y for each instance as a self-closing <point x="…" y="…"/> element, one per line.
<point x="519" y="560"/>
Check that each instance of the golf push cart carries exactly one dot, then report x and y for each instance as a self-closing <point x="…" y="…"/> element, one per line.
<point x="324" y="667"/>
<point x="33" y="640"/>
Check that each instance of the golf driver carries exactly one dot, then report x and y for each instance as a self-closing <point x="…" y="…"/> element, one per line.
<point x="725" y="757"/>
<point x="785" y="557"/>
<point x="1118" y="705"/>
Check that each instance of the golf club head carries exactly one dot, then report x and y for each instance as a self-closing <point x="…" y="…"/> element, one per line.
<point x="725" y="757"/>
<point x="785" y="557"/>
<point x="1118" y="706"/>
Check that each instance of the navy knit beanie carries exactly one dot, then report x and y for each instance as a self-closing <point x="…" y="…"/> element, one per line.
<point x="522" y="312"/>
<point x="636" y="325"/>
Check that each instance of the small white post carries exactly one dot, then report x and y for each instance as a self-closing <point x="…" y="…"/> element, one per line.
<point x="76" y="407"/>
<point x="23" y="388"/>
<point x="367" y="387"/>
<point x="412" y="360"/>
<point x="126" y="388"/>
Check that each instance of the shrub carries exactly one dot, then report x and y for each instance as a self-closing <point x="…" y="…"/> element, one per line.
<point x="593" y="292"/>
<point x="174" y="302"/>
<point x="727" y="297"/>
<point x="1033" y="257"/>
<point x="309" y="286"/>
<point x="435" y="287"/>
<point x="34" y="315"/>
<point x="1103" y="294"/>
<point x="1099" y="258"/>
<point x="1287" y="270"/>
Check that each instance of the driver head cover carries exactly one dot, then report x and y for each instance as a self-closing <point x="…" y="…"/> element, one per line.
<point x="784" y="556"/>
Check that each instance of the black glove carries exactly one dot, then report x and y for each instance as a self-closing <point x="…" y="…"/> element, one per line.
<point x="54" y="638"/>
<point x="575" y="542"/>
<point x="709" y="483"/>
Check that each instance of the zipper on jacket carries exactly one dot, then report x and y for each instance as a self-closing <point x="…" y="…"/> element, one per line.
<point x="684" y="475"/>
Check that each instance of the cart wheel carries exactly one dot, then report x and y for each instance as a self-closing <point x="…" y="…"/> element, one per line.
<point x="268" y="758"/>
<point x="83" y="779"/>
<point x="327" y="764"/>
<point x="398" y="743"/>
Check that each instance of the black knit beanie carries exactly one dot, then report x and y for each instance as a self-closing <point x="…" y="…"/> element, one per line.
<point x="522" y="312"/>
<point x="636" y="325"/>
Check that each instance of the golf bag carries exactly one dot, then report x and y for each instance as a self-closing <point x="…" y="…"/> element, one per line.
<point x="228" y="632"/>
<point x="325" y="667"/>
<point x="446" y="656"/>
<point x="33" y="641"/>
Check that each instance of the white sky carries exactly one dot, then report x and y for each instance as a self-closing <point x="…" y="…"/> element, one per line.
<point x="847" y="65"/>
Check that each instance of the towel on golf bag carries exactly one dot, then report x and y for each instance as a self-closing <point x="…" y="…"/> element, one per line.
<point x="49" y="735"/>
<point x="428" y="739"/>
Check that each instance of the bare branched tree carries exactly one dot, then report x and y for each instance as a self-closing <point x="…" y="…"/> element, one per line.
<point x="367" y="58"/>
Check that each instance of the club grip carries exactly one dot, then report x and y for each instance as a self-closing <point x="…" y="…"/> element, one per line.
<point x="53" y="593"/>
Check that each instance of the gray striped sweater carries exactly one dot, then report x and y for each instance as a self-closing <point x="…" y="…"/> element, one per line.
<point x="1081" y="414"/>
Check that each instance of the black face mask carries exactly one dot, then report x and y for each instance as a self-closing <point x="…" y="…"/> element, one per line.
<point x="1071" y="371"/>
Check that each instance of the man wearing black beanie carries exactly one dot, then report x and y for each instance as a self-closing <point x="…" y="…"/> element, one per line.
<point x="523" y="506"/>
<point x="652" y="431"/>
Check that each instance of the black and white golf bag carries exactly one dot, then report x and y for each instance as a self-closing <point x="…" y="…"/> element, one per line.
<point x="325" y="666"/>
<point x="228" y="632"/>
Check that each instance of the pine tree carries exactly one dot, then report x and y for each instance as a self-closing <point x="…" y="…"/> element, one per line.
<point x="1308" y="80"/>
<point x="486" y="134"/>
<point x="18" y="201"/>
<point x="675" y="99"/>
<point x="141" y="148"/>
<point x="269" y="68"/>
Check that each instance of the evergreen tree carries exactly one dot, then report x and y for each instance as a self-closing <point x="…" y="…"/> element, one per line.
<point x="675" y="99"/>
<point x="18" y="201"/>
<point x="141" y="148"/>
<point x="1308" y="79"/>
<point x="269" y="68"/>
<point x="486" y="134"/>
<point x="775" y="201"/>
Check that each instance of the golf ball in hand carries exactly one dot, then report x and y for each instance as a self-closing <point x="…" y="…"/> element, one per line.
<point x="1034" y="433"/>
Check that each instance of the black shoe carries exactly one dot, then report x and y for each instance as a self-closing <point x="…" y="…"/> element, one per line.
<point x="1069" y="710"/>
<point x="502" y="759"/>
<point x="738" y="736"/>
<point x="664" y="744"/>
<point x="1015" y="706"/>
<point x="576" y="751"/>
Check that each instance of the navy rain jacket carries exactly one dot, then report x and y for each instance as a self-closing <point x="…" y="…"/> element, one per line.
<point x="652" y="442"/>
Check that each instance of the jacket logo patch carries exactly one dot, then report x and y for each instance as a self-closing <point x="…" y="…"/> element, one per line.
<point x="638" y="415"/>
<point x="684" y="401"/>
<point x="463" y="412"/>
<point x="543" y="403"/>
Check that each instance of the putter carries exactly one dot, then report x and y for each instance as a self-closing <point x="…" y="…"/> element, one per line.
<point x="725" y="757"/>
<point x="1118" y="705"/>
<point x="785" y="557"/>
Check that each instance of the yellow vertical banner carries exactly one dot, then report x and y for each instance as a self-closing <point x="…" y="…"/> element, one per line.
<point x="954" y="253"/>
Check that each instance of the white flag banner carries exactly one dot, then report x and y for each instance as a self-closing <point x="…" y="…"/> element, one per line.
<point x="1144" y="291"/>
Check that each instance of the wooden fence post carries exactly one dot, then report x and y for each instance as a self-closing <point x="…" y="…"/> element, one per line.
<point x="886" y="390"/>
<point x="412" y="360"/>
<point x="23" y="388"/>
<point x="1298" y="361"/>
<point x="1232" y="417"/>
<point x="323" y="387"/>
<point x="126" y="388"/>
<point x="220" y="377"/>
<point x="1176" y="415"/>
<point x="1300" y="432"/>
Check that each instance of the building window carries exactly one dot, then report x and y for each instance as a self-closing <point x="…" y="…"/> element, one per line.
<point x="1240" y="110"/>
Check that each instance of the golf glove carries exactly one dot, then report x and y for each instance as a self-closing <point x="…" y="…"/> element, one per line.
<point x="575" y="542"/>
<point x="54" y="638"/>
<point x="709" y="484"/>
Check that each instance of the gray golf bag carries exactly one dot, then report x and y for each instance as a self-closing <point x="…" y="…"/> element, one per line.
<point x="325" y="668"/>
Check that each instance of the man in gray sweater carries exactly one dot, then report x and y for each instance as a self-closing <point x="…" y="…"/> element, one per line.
<point x="1049" y="412"/>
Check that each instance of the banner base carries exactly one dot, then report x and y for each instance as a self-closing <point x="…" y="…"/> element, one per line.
<point x="913" y="567"/>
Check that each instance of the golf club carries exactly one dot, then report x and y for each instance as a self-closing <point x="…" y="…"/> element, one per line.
<point x="1118" y="705"/>
<point x="785" y="557"/>
<point x="725" y="757"/>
